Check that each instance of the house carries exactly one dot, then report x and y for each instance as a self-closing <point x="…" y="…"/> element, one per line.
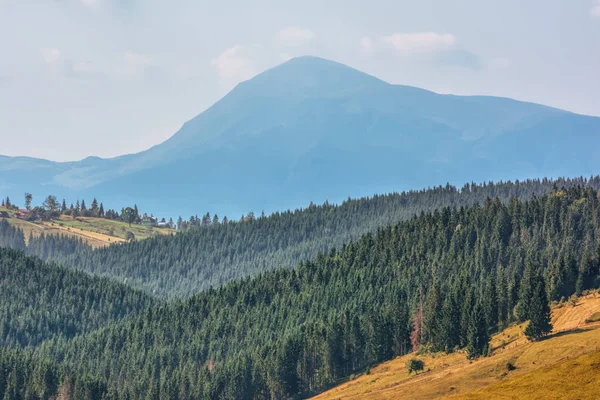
<point x="149" y="221"/>
<point x="4" y="214"/>
<point x="22" y="214"/>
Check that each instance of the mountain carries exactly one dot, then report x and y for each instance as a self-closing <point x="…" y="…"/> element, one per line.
<point x="312" y="129"/>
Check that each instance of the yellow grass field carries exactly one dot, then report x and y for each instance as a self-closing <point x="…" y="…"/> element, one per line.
<point x="96" y="232"/>
<point x="564" y="366"/>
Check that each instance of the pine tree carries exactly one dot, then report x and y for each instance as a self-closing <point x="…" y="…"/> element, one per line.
<point x="539" y="312"/>
<point x="478" y="336"/>
<point x="94" y="208"/>
<point x="431" y="317"/>
<point x="525" y="292"/>
<point x="450" y="324"/>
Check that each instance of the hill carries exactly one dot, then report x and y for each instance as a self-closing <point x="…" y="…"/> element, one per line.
<point x="216" y="253"/>
<point x="95" y="232"/>
<point x="293" y="332"/>
<point x="562" y="366"/>
<point x="315" y="130"/>
<point x="40" y="301"/>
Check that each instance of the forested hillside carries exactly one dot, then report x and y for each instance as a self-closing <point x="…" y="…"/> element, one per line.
<point x="39" y="301"/>
<point x="23" y="377"/>
<point x="292" y="331"/>
<point x="217" y="253"/>
<point x="11" y="237"/>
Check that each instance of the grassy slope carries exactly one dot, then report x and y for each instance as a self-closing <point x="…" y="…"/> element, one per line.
<point x="96" y="232"/>
<point x="541" y="367"/>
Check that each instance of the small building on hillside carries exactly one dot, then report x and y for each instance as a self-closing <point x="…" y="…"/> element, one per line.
<point x="4" y="214"/>
<point x="149" y="221"/>
<point x="22" y="214"/>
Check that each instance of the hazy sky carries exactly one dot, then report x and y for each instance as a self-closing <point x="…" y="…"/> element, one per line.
<point x="107" y="77"/>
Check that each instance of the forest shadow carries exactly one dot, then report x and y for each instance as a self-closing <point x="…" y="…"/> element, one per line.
<point x="565" y="333"/>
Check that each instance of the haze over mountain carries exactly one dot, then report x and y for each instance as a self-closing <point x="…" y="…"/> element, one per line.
<point x="315" y="130"/>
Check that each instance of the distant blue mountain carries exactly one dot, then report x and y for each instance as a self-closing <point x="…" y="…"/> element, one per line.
<point x="315" y="130"/>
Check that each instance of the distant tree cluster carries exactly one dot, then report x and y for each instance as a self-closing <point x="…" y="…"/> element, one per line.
<point x="51" y="208"/>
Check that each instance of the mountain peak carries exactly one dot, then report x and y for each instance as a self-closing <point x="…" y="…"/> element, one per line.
<point x="311" y="75"/>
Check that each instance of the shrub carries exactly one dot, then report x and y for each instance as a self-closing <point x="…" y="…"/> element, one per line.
<point x="415" y="365"/>
<point x="595" y="317"/>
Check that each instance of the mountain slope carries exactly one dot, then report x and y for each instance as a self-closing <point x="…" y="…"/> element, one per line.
<point x="564" y="366"/>
<point x="192" y="261"/>
<point x="40" y="301"/>
<point x="292" y="332"/>
<point x="311" y="130"/>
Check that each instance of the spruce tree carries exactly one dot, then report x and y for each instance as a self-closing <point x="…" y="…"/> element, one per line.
<point x="478" y="336"/>
<point x="450" y="324"/>
<point x="539" y="313"/>
<point x="525" y="289"/>
<point x="431" y="317"/>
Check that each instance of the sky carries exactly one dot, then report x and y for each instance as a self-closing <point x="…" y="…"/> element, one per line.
<point x="103" y="78"/>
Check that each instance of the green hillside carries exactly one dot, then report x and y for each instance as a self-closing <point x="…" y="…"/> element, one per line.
<point x="184" y="264"/>
<point x="40" y="301"/>
<point x="295" y="331"/>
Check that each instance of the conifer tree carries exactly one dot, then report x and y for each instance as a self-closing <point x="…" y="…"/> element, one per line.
<point x="539" y="312"/>
<point x="431" y="317"/>
<point x="525" y="292"/>
<point x="478" y="336"/>
<point x="450" y="324"/>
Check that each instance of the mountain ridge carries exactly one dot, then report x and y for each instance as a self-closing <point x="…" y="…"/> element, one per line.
<point x="313" y="130"/>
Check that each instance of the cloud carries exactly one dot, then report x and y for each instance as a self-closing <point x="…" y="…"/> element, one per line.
<point x="294" y="36"/>
<point x="51" y="56"/>
<point x="234" y="63"/>
<point x="419" y="42"/>
<point x="432" y="47"/>
<point x="595" y="11"/>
